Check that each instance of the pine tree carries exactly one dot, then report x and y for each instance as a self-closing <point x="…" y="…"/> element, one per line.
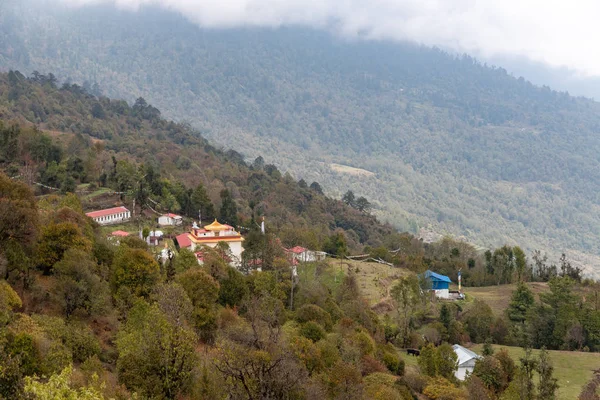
<point x="548" y="383"/>
<point x="228" y="210"/>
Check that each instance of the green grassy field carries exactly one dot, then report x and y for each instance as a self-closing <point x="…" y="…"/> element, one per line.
<point x="498" y="297"/>
<point x="573" y="369"/>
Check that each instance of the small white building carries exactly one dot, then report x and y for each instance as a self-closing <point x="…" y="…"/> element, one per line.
<point x="301" y="254"/>
<point x="466" y="361"/>
<point x="108" y="216"/>
<point x="170" y="220"/>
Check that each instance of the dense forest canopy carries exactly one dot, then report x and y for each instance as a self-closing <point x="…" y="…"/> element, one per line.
<point x="439" y="140"/>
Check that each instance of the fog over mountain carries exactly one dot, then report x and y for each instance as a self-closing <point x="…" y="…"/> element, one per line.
<point x="555" y="32"/>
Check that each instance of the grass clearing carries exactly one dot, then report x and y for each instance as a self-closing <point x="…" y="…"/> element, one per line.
<point x="346" y="169"/>
<point x="572" y="369"/>
<point x="374" y="280"/>
<point x="498" y="297"/>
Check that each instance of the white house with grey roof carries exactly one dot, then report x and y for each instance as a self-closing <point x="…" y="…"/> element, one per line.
<point x="466" y="361"/>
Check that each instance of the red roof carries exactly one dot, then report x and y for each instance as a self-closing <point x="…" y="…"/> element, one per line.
<point x="297" y="250"/>
<point x="107" y="212"/>
<point x="120" y="233"/>
<point x="183" y="240"/>
<point x="171" y="215"/>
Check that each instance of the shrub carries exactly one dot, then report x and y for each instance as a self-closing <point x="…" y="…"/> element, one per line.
<point x="369" y="365"/>
<point x="415" y="382"/>
<point x="313" y="331"/>
<point x="311" y="312"/>
<point x="393" y="362"/>
<point x="440" y="388"/>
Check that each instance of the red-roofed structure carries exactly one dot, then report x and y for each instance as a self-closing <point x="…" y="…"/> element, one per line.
<point x="110" y="215"/>
<point x="298" y="250"/>
<point x="184" y="241"/>
<point x="299" y="253"/>
<point x="120" y="233"/>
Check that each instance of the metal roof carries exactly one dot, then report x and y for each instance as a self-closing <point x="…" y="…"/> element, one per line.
<point x="431" y="274"/>
<point x="107" y="212"/>
<point x="464" y="355"/>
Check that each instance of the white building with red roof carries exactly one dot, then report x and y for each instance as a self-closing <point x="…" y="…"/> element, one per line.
<point x="170" y="219"/>
<point x="108" y="216"/>
<point x="210" y="236"/>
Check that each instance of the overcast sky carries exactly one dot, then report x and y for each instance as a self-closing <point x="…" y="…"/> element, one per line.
<point x="560" y="33"/>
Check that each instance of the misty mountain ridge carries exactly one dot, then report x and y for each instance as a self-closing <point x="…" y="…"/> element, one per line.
<point x="444" y="140"/>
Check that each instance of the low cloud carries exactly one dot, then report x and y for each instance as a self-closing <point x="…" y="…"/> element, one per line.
<point x="556" y="32"/>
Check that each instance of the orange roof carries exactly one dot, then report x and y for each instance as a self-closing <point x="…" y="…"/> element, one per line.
<point x="120" y="233"/>
<point x="216" y="226"/>
<point x="107" y="212"/>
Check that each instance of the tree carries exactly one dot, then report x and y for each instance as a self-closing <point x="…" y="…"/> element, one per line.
<point x="203" y="291"/>
<point x="156" y="356"/>
<point x="566" y="269"/>
<point x="406" y="294"/>
<point x="520" y="263"/>
<point x="134" y="269"/>
<point x="78" y="287"/>
<point x="336" y="245"/>
<point x="349" y="198"/>
<point x="527" y="368"/>
<point x="479" y="320"/>
<point x="11" y="375"/>
<point x="550" y="321"/>
<point x="234" y="289"/>
<point x="438" y="361"/>
<point x="548" y="383"/>
<point x="186" y="259"/>
<point x="363" y="205"/>
<point x="228" y="211"/>
<point x="18" y="220"/>
<point x="57" y="238"/>
<point x="201" y="203"/>
<point x="58" y="388"/>
<point x="316" y="187"/>
<point x="522" y="299"/>
<point x="259" y="163"/>
<point x="490" y="371"/>
<point x="9" y="300"/>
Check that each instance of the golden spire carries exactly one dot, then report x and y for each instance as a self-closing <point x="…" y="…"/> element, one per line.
<point x="216" y="226"/>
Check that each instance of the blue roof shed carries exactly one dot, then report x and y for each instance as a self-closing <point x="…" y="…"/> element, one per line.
<point x="437" y="281"/>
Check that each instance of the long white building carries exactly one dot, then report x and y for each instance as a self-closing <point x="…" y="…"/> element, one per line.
<point x="113" y="215"/>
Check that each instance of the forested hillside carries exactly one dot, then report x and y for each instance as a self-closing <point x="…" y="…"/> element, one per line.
<point x="444" y="140"/>
<point x="81" y="139"/>
<point x="86" y="314"/>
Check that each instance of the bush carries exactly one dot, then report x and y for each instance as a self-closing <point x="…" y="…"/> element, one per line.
<point x="311" y="312"/>
<point x="440" y="388"/>
<point x="415" y="382"/>
<point x="393" y="362"/>
<point x="313" y="331"/>
<point x="370" y="365"/>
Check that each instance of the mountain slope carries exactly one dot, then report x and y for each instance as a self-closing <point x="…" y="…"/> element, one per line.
<point x="451" y="143"/>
